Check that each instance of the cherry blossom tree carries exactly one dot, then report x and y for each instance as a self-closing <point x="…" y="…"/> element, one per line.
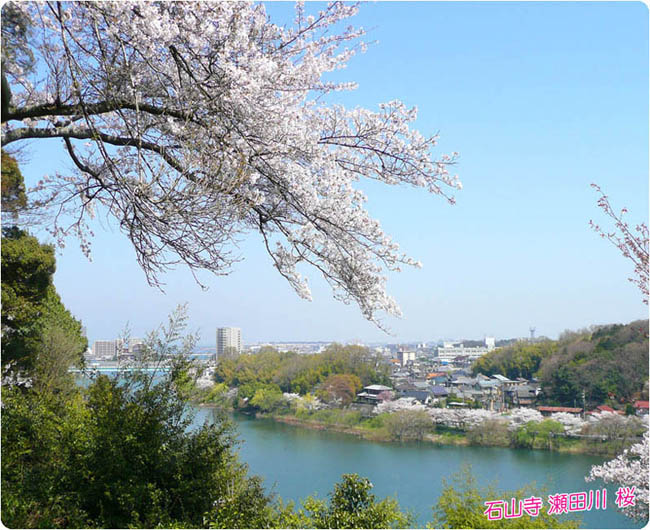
<point x="633" y="244"/>
<point x="398" y="405"/>
<point x="462" y="419"/>
<point x="572" y="423"/>
<point x="195" y="123"/>
<point x="630" y="469"/>
<point x="522" y="415"/>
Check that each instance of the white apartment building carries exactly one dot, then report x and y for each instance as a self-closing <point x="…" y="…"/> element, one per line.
<point x="228" y="341"/>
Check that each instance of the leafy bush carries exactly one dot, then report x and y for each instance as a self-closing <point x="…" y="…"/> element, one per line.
<point x="115" y="457"/>
<point x="490" y="432"/>
<point x="537" y="434"/>
<point x="408" y="425"/>
<point x="351" y="505"/>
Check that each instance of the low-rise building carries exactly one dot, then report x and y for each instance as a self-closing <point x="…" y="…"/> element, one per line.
<point x="372" y="394"/>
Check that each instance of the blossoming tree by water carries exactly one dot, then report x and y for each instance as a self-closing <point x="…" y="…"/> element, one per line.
<point x="630" y="470"/>
<point x="193" y="123"/>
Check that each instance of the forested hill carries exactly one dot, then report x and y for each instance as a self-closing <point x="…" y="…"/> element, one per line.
<point x="610" y="363"/>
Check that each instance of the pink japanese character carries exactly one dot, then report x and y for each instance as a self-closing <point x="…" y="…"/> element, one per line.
<point x="624" y="497"/>
<point x="559" y="503"/>
<point x="590" y="504"/>
<point x="532" y="506"/>
<point x="515" y="509"/>
<point x="578" y="501"/>
<point x="492" y="507"/>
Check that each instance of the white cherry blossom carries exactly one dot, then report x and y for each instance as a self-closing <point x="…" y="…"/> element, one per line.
<point x="629" y="469"/>
<point x="196" y="123"/>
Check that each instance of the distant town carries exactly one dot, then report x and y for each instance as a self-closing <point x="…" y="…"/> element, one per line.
<point x="427" y="372"/>
<point x="229" y="342"/>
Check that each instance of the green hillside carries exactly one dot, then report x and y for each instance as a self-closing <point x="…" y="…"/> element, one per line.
<point x="610" y="363"/>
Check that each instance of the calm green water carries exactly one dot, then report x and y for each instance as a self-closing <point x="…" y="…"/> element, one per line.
<point x="296" y="462"/>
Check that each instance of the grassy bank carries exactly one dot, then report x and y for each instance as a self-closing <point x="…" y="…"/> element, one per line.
<point x="406" y="426"/>
<point x="374" y="429"/>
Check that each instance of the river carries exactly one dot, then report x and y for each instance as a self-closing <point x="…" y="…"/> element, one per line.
<point x="296" y="462"/>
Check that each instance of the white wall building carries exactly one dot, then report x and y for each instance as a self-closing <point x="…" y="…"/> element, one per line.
<point x="106" y="349"/>
<point x="449" y="351"/>
<point x="228" y="341"/>
<point x="405" y="356"/>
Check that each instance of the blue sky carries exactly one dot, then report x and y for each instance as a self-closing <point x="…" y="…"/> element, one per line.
<point x="539" y="99"/>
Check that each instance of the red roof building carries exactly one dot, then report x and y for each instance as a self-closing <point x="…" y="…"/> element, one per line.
<point x="546" y="411"/>
<point x="605" y="408"/>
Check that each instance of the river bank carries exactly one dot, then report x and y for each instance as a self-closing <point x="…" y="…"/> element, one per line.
<point x="372" y="430"/>
<point x="373" y="435"/>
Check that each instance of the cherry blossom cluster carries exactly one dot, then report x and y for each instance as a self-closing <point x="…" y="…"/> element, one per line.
<point x="462" y="419"/>
<point x="193" y="124"/>
<point x="398" y="405"/>
<point x="631" y="470"/>
<point x="522" y="415"/>
<point x="572" y="423"/>
<point x="607" y="416"/>
<point x="307" y="402"/>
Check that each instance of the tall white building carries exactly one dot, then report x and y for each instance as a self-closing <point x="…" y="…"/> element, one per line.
<point x="228" y="341"/>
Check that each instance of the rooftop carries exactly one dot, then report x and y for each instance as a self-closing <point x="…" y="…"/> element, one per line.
<point x="376" y="387"/>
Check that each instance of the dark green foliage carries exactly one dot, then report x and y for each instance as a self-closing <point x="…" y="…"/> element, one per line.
<point x="31" y="308"/>
<point x="609" y="364"/>
<point x="39" y="335"/>
<point x="292" y="372"/>
<point x="118" y="456"/>
<point x="120" y="453"/>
